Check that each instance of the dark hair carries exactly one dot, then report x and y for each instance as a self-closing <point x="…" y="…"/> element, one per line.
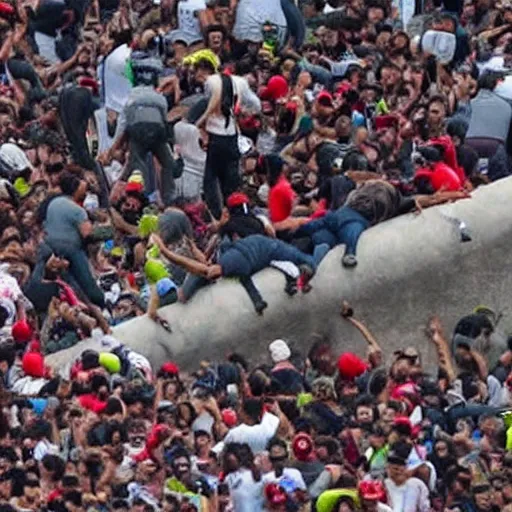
<point x="113" y="407"/>
<point x="276" y="441"/>
<point x="205" y="65"/>
<point x="55" y="465"/>
<point x="457" y="128"/>
<point x="354" y="161"/>
<point x="364" y="401"/>
<point x="74" y="497"/>
<point x="258" y="382"/>
<point x="7" y="353"/>
<point x="70" y="481"/>
<point x="69" y="183"/>
<point x="252" y="408"/>
<point x="97" y="382"/>
<point x="489" y="80"/>
<point x="216" y="28"/>
<point x="243" y="453"/>
<point x="274" y="165"/>
<point x="437" y="98"/>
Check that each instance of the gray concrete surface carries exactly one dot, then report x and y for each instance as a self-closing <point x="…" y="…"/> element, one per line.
<point x="409" y="268"/>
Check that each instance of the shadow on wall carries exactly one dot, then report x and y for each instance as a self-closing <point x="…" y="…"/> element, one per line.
<point x="409" y="269"/>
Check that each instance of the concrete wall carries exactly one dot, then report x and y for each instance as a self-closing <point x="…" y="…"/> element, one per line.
<point x="409" y="268"/>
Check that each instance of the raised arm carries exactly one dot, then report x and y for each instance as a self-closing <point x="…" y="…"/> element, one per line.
<point x="436" y="335"/>
<point x="347" y="312"/>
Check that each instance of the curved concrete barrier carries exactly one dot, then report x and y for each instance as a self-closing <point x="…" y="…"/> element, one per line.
<point x="409" y="268"/>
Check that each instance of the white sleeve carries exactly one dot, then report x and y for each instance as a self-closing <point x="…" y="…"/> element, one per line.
<point x="299" y="480"/>
<point x="268" y="426"/>
<point x="249" y="99"/>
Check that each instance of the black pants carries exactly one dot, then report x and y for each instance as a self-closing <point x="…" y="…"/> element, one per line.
<point x="76" y="107"/>
<point x="23" y="70"/>
<point x="151" y="139"/>
<point x="221" y="172"/>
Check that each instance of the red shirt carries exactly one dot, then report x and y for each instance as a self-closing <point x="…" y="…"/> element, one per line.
<point x="280" y="200"/>
<point x="441" y="176"/>
<point x="92" y="403"/>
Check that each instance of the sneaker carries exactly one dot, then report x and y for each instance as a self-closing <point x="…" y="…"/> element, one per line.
<point x="291" y="287"/>
<point x="306" y="274"/>
<point x="349" y="260"/>
<point x="260" y="306"/>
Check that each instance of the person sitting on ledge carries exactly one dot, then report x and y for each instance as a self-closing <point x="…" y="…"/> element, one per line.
<point x="244" y="257"/>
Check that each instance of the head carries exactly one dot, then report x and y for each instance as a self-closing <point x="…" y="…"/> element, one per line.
<point x="397" y="462"/>
<point x="251" y="411"/>
<point x="278" y="453"/>
<point x="181" y="466"/>
<point x="364" y="413"/>
<point x="436" y="112"/>
<point x="215" y="38"/>
<point x="203" y="70"/>
<point x="73" y="187"/>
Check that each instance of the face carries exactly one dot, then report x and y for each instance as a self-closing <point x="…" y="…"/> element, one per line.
<point x="441" y="450"/>
<point x="364" y="415"/>
<point x="31" y="489"/>
<point x="375" y="15"/>
<point x="389" y="77"/>
<point x="330" y="38"/>
<point x="202" y="442"/>
<point x="483" y="500"/>
<point x="436" y="113"/>
<point x="201" y="76"/>
<point x="278" y="456"/>
<point x="345" y="507"/>
<point x="182" y="467"/>
<point x="397" y="473"/>
<point x="215" y="40"/>
<point x="5" y="489"/>
<point x="370" y="505"/>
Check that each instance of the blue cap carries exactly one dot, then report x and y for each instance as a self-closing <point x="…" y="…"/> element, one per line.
<point x="38" y="405"/>
<point x="164" y="286"/>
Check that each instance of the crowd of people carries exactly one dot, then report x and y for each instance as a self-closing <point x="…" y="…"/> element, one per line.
<point x="149" y="148"/>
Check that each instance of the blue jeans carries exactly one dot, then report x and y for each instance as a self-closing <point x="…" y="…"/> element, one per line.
<point x="342" y="226"/>
<point x="80" y="270"/>
<point x="254" y="253"/>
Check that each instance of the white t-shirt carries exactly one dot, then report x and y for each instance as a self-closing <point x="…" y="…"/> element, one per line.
<point x="216" y="122"/>
<point x="188" y="20"/>
<point x="413" y="496"/>
<point x="44" y="447"/>
<point x="114" y="83"/>
<point x="290" y="474"/>
<point x="186" y="136"/>
<point x="256" y="436"/>
<point x="247" y="495"/>
<point x="251" y="15"/>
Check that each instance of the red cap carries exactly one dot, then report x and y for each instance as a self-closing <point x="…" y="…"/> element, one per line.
<point x="371" y="490"/>
<point x="274" y="494"/>
<point x="325" y="98"/>
<point x="342" y="89"/>
<point x="91" y="83"/>
<point x="229" y="417"/>
<point x="21" y="331"/>
<point x="6" y="9"/>
<point x="385" y="121"/>
<point x="134" y="187"/>
<point x="170" y="367"/>
<point x="33" y="364"/>
<point x="277" y="87"/>
<point x="302" y="446"/>
<point x="237" y="199"/>
<point x="351" y="366"/>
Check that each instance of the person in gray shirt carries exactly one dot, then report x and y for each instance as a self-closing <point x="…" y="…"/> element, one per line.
<point x="66" y="228"/>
